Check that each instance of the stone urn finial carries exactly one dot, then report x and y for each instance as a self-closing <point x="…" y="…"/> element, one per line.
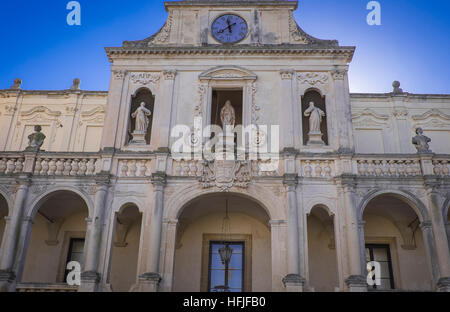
<point x="35" y="139"/>
<point x="17" y="84"/>
<point x="76" y="84"/>
<point x="396" y="86"/>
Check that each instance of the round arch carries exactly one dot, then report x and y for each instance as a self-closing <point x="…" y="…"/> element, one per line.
<point x="120" y="205"/>
<point x="7" y="200"/>
<point x="418" y="207"/>
<point x="446" y="208"/>
<point x="326" y="205"/>
<point x="254" y="193"/>
<point x="36" y="204"/>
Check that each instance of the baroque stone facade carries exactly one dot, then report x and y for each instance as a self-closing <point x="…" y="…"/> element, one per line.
<point x="140" y="217"/>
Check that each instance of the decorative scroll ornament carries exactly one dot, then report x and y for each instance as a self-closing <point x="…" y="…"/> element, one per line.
<point x="119" y="74"/>
<point x="224" y="174"/>
<point x="296" y="34"/>
<point x="145" y="78"/>
<point x="163" y="35"/>
<point x="313" y="78"/>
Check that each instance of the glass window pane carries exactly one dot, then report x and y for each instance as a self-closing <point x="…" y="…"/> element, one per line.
<point x="236" y="261"/>
<point x="385" y="284"/>
<point x="384" y="266"/>
<point x="217" y="278"/>
<point x="380" y="254"/>
<point x="216" y="262"/>
<point x="367" y="254"/>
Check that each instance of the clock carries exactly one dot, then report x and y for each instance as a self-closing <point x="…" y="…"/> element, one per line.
<point x="229" y="28"/>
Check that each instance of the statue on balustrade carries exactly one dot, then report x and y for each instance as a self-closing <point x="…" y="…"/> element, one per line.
<point x="421" y="141"/>
<point x="35" y="140"/>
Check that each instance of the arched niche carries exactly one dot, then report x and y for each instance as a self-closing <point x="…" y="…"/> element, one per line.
<point x="146" y="96"/>
<point x="313" y="95"/>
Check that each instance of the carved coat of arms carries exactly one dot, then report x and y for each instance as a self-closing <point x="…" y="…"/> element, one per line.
<point x="224" y="174"/>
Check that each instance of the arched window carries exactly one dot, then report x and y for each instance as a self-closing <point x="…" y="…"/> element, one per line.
<point x="311" y="138"/>
<point x="143" y="95"/>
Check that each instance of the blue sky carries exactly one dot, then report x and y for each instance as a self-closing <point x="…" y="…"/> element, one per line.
<point x="412" y="45"/>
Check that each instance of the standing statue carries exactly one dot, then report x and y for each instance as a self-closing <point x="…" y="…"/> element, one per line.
<point x="315" y="115"/>
<point x="227" y="115"/>
<point x="421" y="141"/>
<point x="142" y="121"/>
<point x="35" y="139"/>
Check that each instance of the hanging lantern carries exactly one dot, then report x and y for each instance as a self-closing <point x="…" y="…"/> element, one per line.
<point x="225" y="255"/>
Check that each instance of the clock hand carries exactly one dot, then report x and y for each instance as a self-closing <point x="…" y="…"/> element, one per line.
<point x="229" y="29"/>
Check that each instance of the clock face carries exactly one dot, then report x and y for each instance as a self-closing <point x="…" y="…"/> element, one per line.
<point x="229" y="28"/>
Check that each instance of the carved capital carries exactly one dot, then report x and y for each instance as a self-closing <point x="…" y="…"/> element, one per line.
<point x="339" y="74"/>
<point x="293" y="279"/>
<point x="286" y="74"/>
<point x="169" y="74"/>
<point x="159" y="179"/>
<point x="119" y="74"/>
<point x="290" y="179"/>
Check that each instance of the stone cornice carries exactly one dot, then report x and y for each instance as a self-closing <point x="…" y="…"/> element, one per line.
<point x="407" y="95"/>
<point x="53" y="92"/>
<point x="231" y="3"/>
<point x="322" y="49"/>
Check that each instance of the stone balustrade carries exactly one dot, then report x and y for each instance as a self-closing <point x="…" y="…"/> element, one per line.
<point x="389" y="167"/>
<point x="10" y="164"/>
<point x="39" y="287"/>
<point x="441" y="167"/>
<point x="66" y="166"/>
<point x="322" y="168"/>
<point x="134" y="168"/>
<point x="89" y="164"/>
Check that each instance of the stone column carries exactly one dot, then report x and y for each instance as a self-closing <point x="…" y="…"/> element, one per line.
<point x="356" y="281"/>
<point x="12" y="235"/>
<point x="165" y="115"/>
<point x="90" y="278"/>
<point x="149" y="282"/>
<point x="430" y="249"/>
<point x="343" y="109"/>
<point x="168" y="261"/>
<point x="113" y="108"/>
<point x="440" y="238"/>
<point x="278" y="251"/>
<point x="293" y="282"/>
<point x="287" y="129"/>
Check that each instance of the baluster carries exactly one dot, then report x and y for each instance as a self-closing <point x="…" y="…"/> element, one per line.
<point x="436" y="168"/>
<point x="3" y="166"/>
<point x="193" y="168"/>
<point x="361" y="169"/>
<point x="19" y="165"/>
<point x="378" y="170"/>
<point x="59" y="167"/>
<point x="185" y="168"/>
<point x="308" y="169"/>
<point x="318" y="169"/>
<point x="199" y="168"/>
<point x="392" y="168"/>
<point x="90" y="167"/>
<point x="370" y="168"/>
<point x="82" y="167"/>
<point x="409" y="169"/>
<point x="11" y="166"/>
<point x="385" y="168"/>
<point x="445" y="169"/>
<point x="327" y="169"/>
<point x="74" y="167"/>
<point x="133" y="168"/>
<point x="67" y="167"/>
<point x="401" y="168"/>
<point x="52" y="167"/>
<point x="178" y="168"/>
<point x="142" y="168"/>
<point x="45" y="166"/>
<point x="38" y="166"/>
<point x="417" y="168"/>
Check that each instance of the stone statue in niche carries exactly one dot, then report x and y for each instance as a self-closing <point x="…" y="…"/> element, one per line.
<point x="141" y="115"/>
<point x="421" y="141"/>
<point x="315" y="115"/>
<point x="35" y="139"/>
<point x="228" y="115"/>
